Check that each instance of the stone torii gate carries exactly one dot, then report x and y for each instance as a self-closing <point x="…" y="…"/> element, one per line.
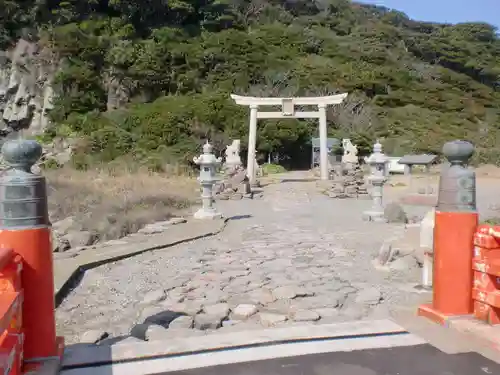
<point x="288" y="111"/>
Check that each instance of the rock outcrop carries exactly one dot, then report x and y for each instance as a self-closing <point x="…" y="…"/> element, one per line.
<point x="118" y="95"/>
<point x="26" y="91"/>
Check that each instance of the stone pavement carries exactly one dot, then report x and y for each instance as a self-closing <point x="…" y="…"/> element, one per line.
<point x="69" y="265"/>
<point x="294" y="256"/>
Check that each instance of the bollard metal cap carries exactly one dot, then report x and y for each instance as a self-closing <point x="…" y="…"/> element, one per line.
<point x="23" y="195"/>
<point x="457" y="185"/>
<point x="458" y="152"/>
<point x="21" y="153"/>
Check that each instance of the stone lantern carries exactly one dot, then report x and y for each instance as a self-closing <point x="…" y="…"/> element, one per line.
<point x="208" y="177"/>
<point x="378" y="165"/>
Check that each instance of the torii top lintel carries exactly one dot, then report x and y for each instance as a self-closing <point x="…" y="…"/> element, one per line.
<point x="318" y="100"/>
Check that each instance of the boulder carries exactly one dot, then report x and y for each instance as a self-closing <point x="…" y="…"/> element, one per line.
<point x="404" y="264"/>
<point x="244" y="311"/>
<point x="208" y="321"/>
<point x="394" y="213"/>
<point x="182" y="322"/>
<point x="386" y="253"/>
<point x="79" y="238"/>
<point x="269" y="319"/>
<point x="63" y="226"/>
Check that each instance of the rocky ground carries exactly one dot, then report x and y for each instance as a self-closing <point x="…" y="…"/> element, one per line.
<point x="293" y="256"/>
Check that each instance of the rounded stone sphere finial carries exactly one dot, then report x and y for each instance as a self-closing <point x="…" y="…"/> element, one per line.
<point x="207" y="148"/>
<point x="21" y="153"/>
<point x="377" y="147"/>
<point x="458" y="152"/>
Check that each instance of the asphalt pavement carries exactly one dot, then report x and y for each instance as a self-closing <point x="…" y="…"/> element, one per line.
<point x="408" y="360"/>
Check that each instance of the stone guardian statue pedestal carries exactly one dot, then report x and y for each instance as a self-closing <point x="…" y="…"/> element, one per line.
<point x="233" y="160"/>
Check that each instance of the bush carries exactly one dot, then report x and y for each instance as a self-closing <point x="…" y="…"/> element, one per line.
<point x="172" y="130"/>
<point x="268" y="169"/>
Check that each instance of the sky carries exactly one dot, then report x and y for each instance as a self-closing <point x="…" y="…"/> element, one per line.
<point x="446" y="11"/>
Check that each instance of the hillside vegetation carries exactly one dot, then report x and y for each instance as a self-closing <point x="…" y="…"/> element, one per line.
<point x="415" y="84"/>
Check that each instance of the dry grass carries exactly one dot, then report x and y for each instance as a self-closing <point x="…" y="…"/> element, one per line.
<point x="114" y="203"/>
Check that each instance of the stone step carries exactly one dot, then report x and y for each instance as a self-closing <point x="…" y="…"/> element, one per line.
<point x="189" y="353"/>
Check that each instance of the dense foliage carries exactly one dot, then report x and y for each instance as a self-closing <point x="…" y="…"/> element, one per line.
<point x="414" y="84"/>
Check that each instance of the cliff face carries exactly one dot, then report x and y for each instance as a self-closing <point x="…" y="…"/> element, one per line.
<point x="26" y="92"/>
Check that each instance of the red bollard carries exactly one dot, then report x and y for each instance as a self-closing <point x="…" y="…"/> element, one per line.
<point x="34" y="245"/>
<point x="25" y="228"/>
<point x="11" y="299"/>
<point x="455" y="224"/>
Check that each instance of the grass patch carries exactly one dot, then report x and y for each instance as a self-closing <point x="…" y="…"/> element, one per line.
<point x="492" y="221"/>
<point x="268" y="169"/>
<point x="115" y="202"/>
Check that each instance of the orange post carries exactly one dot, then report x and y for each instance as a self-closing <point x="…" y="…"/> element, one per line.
<point x="11" y="299"/>
<point x="34" y="245"/>
<point x="456" y="221"/>
<point x="453" y="262"/>
<point x="25" y="228"/>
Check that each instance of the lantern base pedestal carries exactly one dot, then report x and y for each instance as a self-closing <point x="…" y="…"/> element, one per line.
<point x="427" y="270"/>
<point x="204" y="214"/>
<point x="375" y="216"/>
<point x="255" y="184"/>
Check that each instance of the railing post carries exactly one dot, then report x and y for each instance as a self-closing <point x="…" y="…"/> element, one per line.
<point x="25" y="228"/>
<point x="11" y="296"/>
<point x="455" y="223"/>
<point x="486" y="268"/>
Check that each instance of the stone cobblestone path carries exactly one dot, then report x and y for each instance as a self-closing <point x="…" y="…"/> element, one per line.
<point x="294" y="256"/>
